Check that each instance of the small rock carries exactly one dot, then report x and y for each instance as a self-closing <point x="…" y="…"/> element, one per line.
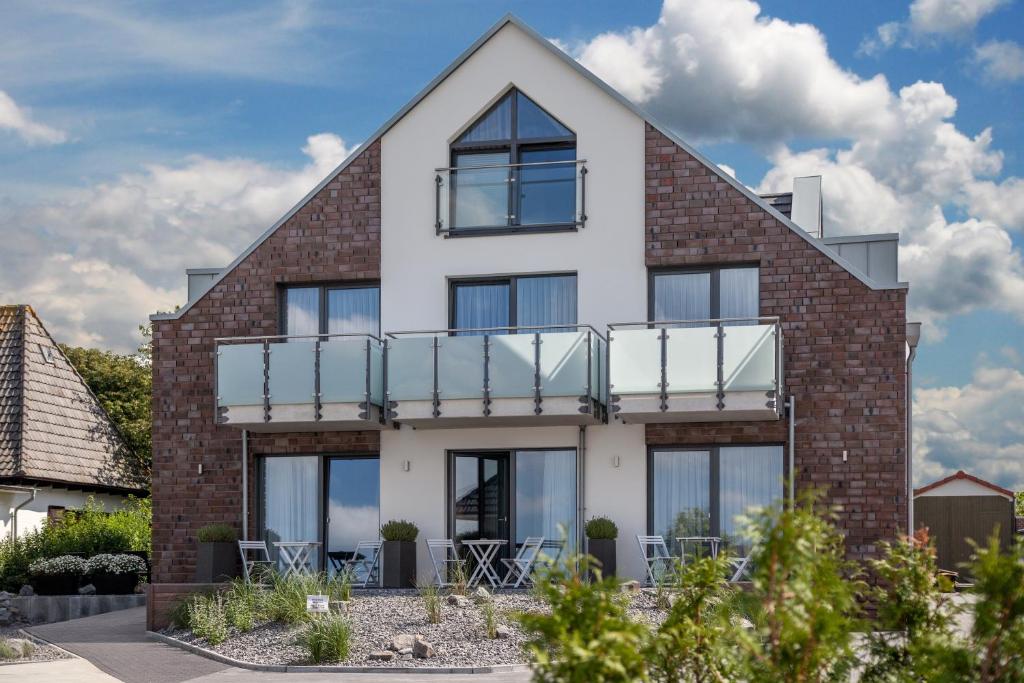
<point x="503" y="632"/>
<point x="87" y="589"/>
<point x="26" y="590"/>
<point x="401" y="642"/>
<point x="405" y="657"/>
<point x="459" y="600"/>
<point x="421" y="649"/>
<point x="405" y="651"/>
<point x="4" y="595"/>
<point x="481" y="593"/>
<point x="382" y="656"/>
<point x="630" y="586"/>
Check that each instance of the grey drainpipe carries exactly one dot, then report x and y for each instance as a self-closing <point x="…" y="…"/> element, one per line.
<point x="913" y="337"/>
<point x="581" y="508"/>
<point x="14" y="515"/>
<point x="791" y="405"/>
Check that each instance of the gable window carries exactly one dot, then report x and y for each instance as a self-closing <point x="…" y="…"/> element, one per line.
<point x="520" y="301"/>
<point x="514" y="168"/>
<point x="701" y="294"/>
<point x="331" y="309"/>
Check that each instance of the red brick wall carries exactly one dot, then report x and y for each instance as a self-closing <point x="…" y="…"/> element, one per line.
<point x="335" y="236"/>
<point x="844" y="344"/>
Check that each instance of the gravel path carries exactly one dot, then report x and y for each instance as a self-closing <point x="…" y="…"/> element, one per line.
<point x="41" y="652"/>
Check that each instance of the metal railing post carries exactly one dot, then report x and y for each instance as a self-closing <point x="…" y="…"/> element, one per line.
<point x="663" y="338"/>
<point x="317" y="401"/>
<point x="437" y="398"/>
<point x="583" y="197"/>
<point x="537" y="399"/>
<point x="266" y="380"/>
<point x="588" y="398"/>
<point x="437" y="203"/>
<point x="487" y="375"/>
<point x="366" y="406"/>
<point x="720" y="381"/>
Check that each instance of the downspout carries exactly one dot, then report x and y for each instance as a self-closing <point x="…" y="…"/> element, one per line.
<point x="581" y="508"/>
<point x="913" y="337"/>
<point x="14" y="515"/>
<point x="791" y="409"/>
<point x="245" y="485"/>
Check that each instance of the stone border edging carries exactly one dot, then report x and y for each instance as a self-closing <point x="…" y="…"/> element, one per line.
<point x="337" y="668"/>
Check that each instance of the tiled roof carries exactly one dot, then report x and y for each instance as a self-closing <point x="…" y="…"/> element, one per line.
<point x="52" y="427"/>
<point x="781" y="202"/>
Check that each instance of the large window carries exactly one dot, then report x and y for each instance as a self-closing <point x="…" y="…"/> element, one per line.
<point x="331" y="309"/>
<point x="704" y="293"/>
<point x="535" y="300"/>
<point x="707" y="491"/>
<point x="290" y="487"/>
<point x="514" y="167"/>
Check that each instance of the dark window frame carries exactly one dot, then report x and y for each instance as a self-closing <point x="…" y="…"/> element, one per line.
<point x="512" y="282"/>
<point x="714" y="477"/>
<point x="511" y="145"/>
<point x="324" y="288"/>
<point x="714" y="271"/>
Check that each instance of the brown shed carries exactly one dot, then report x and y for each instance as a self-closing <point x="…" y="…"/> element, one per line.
<point x="960" y="508"/>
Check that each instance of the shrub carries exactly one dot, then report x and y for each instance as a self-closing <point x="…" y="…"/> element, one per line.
<point x="285" y="601"/>
<point x="65" y="565"/>
<point x="217" y="533"/>
<point x="602" y="528"/>
<point x="7" y="651"/>
<point x="431" y="601"/>
<point x="245" y="605"/>
<point x="399" y="530"/>
<point x="180" y="613"/>
<point x="327" y="639"/>
<point x="115" y="564"/>
<point x="208" y="618"/>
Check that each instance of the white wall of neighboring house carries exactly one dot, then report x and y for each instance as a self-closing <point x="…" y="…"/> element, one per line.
<point x="31" y="516"/>
<point x="961" y="487"/>
<point x="607" y="256"/>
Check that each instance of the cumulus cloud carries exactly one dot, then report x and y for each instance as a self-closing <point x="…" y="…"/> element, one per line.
<point x="1000" y="60"/>
<point x="975" y="427"/>
<point x="929" y="21"/>
<point x="99" y="260"/>
<point x="19" y="121"/>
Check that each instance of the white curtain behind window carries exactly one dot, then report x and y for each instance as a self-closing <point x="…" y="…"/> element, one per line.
<point x="353" y="310"/>
<point x="290" y="501"/>
<point x="481" y="306"/>
<point x="750" y="478"/>
<point x="681" y="482"/>
<point x="546" y="495"/>
<point x="303" y="311"/>
<point x="546" y="300"/>
<point x="738" y="295"/>
<point x="682" y="296"/>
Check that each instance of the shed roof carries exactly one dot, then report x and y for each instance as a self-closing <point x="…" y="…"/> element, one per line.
<point x="963" y="476"/>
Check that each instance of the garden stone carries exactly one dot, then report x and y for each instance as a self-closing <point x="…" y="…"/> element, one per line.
<point x="405" y="651"/>
<point x="405" y="657"/>
<point x="26" y="591"/>
<point x="630" y="586"/>
<point x="459" y="601"/>
<point x="87" y="589"/>
<point x="402" y="641"/>
<point x="382" y="656"/>
<point x="421" y="649"/>
<point x="4" y="595"/>
<point x="503" y="632"/>
<point x="482" y="594"/>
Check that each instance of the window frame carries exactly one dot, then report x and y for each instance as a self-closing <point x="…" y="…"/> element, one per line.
<point x="513" y="304"/>
<point x="512" y="145"/>
<point x="322" y="312"/>
<point x="714" y="271"/>
<point x="714" y="477"/>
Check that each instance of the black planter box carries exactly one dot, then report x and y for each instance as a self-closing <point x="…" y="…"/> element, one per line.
<point x="109" y="583"/>
<point x="56" y="584"/>
<point x="398" y="564"/>
<point x="603" y="550"/>
<point x="216" y="562"/>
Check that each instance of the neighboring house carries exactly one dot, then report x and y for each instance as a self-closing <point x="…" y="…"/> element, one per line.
<point x="57" y="445"/>
<point x="480" y="251"/>
<point x="961" y="508"/>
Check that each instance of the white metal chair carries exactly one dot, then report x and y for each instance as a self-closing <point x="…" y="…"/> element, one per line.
<point x="262" y="560"/>
<point x="741" y="566"/>
<point x="444" y="558"/>
<point x="520" y="567"/>
<point x="660" y="565"/>
<point x="556" y="545"/>
<point x="364" y="566"/>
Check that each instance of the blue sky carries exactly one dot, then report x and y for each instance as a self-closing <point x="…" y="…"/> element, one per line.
<point x="136" y="140"/>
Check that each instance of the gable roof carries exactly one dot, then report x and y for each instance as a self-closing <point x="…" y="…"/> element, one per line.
<point x="52" y="427"/>
<point x="579" y="68"/>
<point x="961" y="475"/>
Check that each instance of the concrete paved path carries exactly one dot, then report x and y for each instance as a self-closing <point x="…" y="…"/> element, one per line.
<point x="117" y="645"/>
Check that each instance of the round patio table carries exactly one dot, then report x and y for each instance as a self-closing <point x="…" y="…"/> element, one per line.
<point x="295" y="554"/>
<point x="484" y="550"/>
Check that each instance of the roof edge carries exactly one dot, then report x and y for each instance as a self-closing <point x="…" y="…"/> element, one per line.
<point x="960" y="475"/>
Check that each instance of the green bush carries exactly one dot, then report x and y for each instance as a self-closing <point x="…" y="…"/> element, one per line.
<point x="208" y="618"/>
<point x="327" y="639"/>
<point x="217" y="533"/>
<point x="245" y="605"/>
<point x="399" y="530"/>
<point x="602" y="528"/>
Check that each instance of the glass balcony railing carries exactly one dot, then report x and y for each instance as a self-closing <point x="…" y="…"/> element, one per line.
<point x="525" y="375"/>
<point x="724" y="369"/>
<point x="272" y="383"/>
<point x="510" y="197"/>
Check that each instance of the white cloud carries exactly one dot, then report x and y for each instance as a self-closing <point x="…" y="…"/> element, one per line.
<point x="1000" y="60"/>
<point x="97" y="261"/>
<point x="19" y="121"/>
<point x="930" y="21"/>
<point x="976" y="428"/>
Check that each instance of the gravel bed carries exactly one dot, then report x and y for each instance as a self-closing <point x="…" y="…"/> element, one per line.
<point x="459" y="640"/>
<point x="41" y="653"/>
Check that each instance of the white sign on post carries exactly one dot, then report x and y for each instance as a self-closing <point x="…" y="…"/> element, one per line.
<point x="317" y="604"/>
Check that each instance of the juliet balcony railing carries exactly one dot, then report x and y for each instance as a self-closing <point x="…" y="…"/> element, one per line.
<point x="696" y="370"/>
<point x="504" y="376"/>
<point x="300" y="383"/>
<point x="503" y="198"/>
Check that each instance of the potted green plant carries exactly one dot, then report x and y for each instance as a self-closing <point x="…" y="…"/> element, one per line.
<point x="114" y="574"/>
<point x="217" y="559"/>
<point x="601" y="535"/>
<point x="398" y="554"/>
<point x="57" y="575"/>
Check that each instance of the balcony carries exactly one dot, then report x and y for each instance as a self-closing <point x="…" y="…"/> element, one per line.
<point x="508" y="198"/>
<point x="497" y="377"/>
<point x="696" y="371"/>
<point x="310" y="383"/>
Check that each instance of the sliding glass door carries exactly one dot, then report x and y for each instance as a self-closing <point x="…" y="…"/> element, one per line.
<point x="290" y="488"/>
<point x="353" y="507"/>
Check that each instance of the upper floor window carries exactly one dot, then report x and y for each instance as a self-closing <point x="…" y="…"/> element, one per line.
<point x="515" y="167"/>
<point x="529" y="301"/>
<point x="331" y="309"/>
<point x="705" y="293"/>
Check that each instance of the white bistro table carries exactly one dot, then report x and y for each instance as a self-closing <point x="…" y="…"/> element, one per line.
<point x="712" y="542"/>
<point x="484" y="550"/>
<point x="295" y="554"/>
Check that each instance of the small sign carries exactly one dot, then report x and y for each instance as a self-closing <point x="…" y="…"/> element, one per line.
<point x="317" y="604"/>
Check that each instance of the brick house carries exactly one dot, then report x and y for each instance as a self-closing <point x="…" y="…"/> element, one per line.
<point x="521" y="304"/>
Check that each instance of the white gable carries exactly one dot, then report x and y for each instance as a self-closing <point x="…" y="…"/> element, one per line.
<point x="960" y="487"/>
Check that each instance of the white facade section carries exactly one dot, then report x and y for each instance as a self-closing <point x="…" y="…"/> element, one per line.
<point x="961" y="487"/>
<point x="32" y="516"/>
<point x="607" y="256"/>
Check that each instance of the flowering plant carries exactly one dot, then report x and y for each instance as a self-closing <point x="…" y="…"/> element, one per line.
<point x="66" y="565"/>
<point x="115" y="564"/>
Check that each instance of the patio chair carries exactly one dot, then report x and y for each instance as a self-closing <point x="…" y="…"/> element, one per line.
<point x="262" y="561"/>
<point x="557" y="545"/>
<point x="520" y="567"/>
<point x="660" y="565"/>
<point x="740" y="565"/>
<point x="366" y="561"/>
<point x="444" y="558"/>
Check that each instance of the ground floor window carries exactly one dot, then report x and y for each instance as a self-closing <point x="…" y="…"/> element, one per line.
<point x="696" y="491"/>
